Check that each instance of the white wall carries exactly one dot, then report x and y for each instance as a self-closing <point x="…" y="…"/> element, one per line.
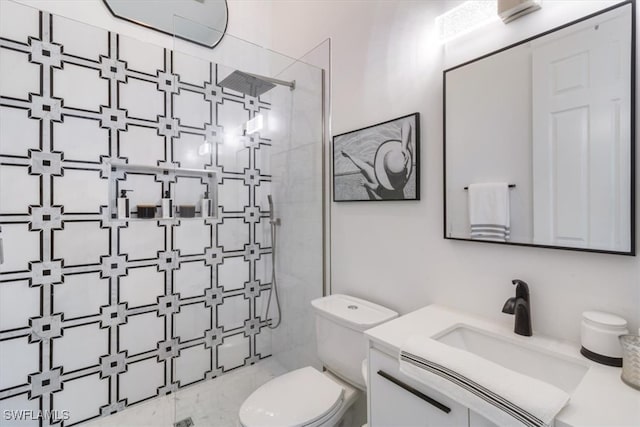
<point x="387" y="62"/>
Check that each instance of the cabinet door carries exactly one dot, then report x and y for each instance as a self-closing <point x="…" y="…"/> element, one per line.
<point x="398" y="401"/>
<point x="476" y="420"/>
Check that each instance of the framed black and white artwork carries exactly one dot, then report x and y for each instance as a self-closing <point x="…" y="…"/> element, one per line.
<point x="379" y="162"/>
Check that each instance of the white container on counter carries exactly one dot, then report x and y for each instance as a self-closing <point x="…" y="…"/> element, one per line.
<point x="599" y="332"/>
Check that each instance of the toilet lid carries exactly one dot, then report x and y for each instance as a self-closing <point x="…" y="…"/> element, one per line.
<point x="297" y="398"/>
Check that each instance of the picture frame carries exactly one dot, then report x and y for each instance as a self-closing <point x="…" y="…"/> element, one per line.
<point x="380" y="162"/>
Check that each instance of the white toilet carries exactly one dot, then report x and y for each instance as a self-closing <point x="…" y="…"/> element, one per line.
<point x="310" y="398"/>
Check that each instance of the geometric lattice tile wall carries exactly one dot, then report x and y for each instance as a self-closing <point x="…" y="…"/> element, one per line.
<point x="97" y="314"/>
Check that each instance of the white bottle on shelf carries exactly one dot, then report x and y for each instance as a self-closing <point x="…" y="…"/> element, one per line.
<point x="123" y="205"/>
<point x="205" y="206"/>
<point x="167" y="205"/>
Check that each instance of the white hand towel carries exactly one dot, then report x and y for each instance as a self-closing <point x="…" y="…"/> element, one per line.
<point x="501" y="395"/>
<point x="489" y="211"/>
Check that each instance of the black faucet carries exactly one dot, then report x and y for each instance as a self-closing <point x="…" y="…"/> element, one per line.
<point x="521" y="307"/>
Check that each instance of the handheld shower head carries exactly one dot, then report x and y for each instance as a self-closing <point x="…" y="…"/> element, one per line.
<point x="270" y="206"/>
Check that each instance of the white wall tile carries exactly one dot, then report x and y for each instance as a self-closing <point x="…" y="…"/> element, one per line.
<point x="142" y="240"/>
<point x="95" y="243"/>
<point x="18" y="359"/>
<point x="82" y="397"/>
<point x="94" y="93"/>
<point x="192" y="109"/>
<point x="16" y="199"/>
<point x="18" y="133"/>
<point x="24" y="244"/>
<point x="187" y="149"/>
<point x="22" y="400"/>
<point x="233" y="312"/>
<point x="80" y="347"/>
<point x="191" y="70"/>
<point x="18" y="22"/>
<point x="141" y="333"/>
<point x="233" y="195"/>
<point x="18" y="294"/>
<point x="18" y="77"/>
<point x="141" y="145"/>
<point x="80" y="39"/>
<point x="192" y="237"/>
<point x="233" y="234"/>
<point x="141" y="286"/>
<point x="134" y="390"/>
<point x="81" y="139"/>
<point x="232" y="352"/>
<point x="191" y="321"/>
<point x="80" y="295"/>
<point x="80" y="191"/>
<point x="140" y="56"/>
<point x="141" y="99"/>
<point x="192" y="279"/>
<point x="192" y="364"/>
<point x="233" y="273"/>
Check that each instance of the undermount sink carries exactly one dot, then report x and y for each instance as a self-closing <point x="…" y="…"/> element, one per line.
<point x="553" y="368"/>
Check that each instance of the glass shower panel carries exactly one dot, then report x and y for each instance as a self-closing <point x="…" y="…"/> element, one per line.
<point x="258" y="150"/>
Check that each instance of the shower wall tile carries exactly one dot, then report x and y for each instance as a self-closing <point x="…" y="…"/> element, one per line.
<point x="141" y="145"/>
<point x="93" y="341"/>
<point x="80" y="139"/>
<point x="81" y="40"/>
<point x="193" y="364"/>
<point x="192" y="70"/>
<point x="94" y="93"/>
<point x="233" y="273"/>
<point x="134" y="390"/>
<point x="192" y="279"/>
<point x="83" y="398"/>
<point x="96" y="313"/>
<point x="18" y="77"/>
<point x="141" y="286"/>
<point x="18" y="22"/>
<point x="139" y="56"/>
<point x="16" y="294"/>
<point x="80" y="295"/>
<point x="18" y="133"/>
<point x="233" y="352"/>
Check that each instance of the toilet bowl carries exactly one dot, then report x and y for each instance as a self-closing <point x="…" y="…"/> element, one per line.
<point x="304" y="397"/>
<point x="310" y="398"/>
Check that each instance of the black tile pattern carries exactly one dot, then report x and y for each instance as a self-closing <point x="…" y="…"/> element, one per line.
<point x="47" y="223"/>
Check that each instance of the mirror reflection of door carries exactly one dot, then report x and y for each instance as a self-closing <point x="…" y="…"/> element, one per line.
<point x="581" y="136"/>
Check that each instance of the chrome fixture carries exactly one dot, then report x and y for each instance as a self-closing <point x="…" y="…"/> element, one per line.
<point x="274" y="223"/>
<point x="521" y="307"/>
<point x="252" y="84"/>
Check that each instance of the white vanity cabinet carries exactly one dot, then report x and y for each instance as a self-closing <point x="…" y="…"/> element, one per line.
<point x="396" y="400"/>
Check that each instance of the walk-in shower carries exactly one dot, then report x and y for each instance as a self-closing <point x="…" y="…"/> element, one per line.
<point x="125" y="320"/>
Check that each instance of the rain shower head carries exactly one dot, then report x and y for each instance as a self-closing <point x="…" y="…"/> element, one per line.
<point x="252" y="84"/>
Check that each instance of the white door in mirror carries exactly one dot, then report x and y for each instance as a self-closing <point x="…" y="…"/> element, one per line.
<point x="581" y="137"/>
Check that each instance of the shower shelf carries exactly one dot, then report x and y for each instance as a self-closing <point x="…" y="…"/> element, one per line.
<point x="167" y="177"/>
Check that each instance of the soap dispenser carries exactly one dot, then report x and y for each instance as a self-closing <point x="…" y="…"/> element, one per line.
<point x="205" y="207"/>
<point x="167" y="205"/>
<point x="123" y="205"/>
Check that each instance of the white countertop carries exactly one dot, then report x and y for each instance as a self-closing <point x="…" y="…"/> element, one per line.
<point x="601" y="399"/>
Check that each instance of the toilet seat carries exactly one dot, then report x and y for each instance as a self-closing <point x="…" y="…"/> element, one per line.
<point x="301" y="398"/>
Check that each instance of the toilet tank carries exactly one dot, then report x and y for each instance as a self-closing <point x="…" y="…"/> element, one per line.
<point x="340" y="323"/>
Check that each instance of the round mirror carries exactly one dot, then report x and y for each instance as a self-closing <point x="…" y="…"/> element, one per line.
<point x="200" y="21"/>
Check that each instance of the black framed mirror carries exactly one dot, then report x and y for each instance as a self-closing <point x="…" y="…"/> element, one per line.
<point x="539" y="145"/>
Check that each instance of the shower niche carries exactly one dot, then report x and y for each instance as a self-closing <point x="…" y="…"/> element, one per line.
<point x="151" y="193"/>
